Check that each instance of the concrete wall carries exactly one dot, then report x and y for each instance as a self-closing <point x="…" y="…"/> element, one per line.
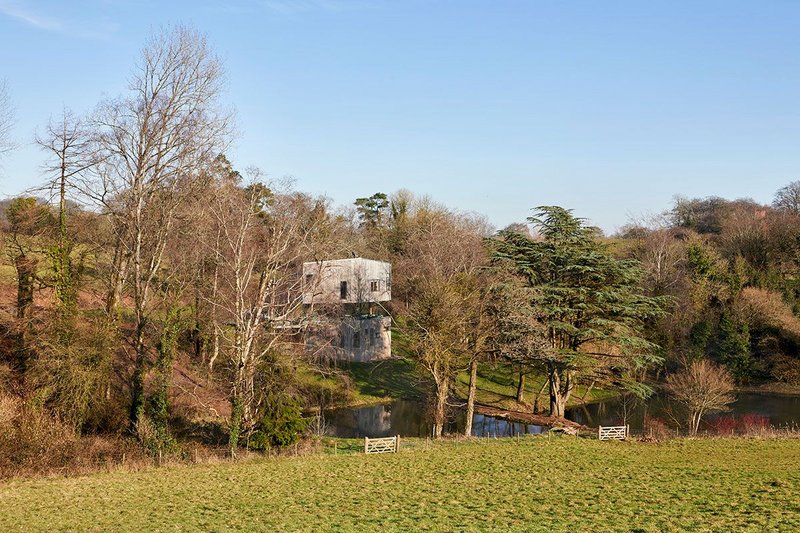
<point x="365" y="339"/>
<point x="366" y="281"/>
<point x="350" y="338"/>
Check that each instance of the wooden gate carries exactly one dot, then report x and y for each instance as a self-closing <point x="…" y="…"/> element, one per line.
<point x="382" y="445"/>
<point x="612" y="432"/>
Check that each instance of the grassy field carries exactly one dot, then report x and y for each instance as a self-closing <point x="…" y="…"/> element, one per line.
<point x="532" y="484"/>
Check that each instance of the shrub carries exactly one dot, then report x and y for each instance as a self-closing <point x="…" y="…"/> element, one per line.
<point x="722" y="425"/>
<point x="786" y="369"/>
<point x="753" y="423"/>
<point x="701" y="388"/>
<point x="657" y="429"/>
<point x="734" y="346"/>
<point x="281" y="424"/>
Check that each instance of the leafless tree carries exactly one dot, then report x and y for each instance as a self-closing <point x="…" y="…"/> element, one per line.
<point x="153" y="145"/>
<point x="518" y="336"/>
<point x="439" y="278"/>
<point x="259" y="241"/>
<point x="701" y="387"/>
<point x="6" y="120"/>
<point x="787" y="198"/>
<point x="71" y="154"/>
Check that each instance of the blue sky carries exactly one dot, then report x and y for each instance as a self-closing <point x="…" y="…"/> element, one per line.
<point x="609" y="108"/>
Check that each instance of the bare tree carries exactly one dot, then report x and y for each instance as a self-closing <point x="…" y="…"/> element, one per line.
<point x="787" y="198"/>
<point x="153" y="145"/>
<point x="518" y="335"/>
<point x="6" y="120"/>
<point x="438" y="277"/>
<point x="660" y="251"/>
<point x="260" y="240"/>
<point x="70" y="152"/>
<point x="702" y="388"/>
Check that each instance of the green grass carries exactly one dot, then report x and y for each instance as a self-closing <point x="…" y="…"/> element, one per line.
<point x="532" y="484"/>
<point x="497" y="385"/>
<point x="397" y="378"/>
<point x="360" y="384"/>
<point x="391" y="378"/>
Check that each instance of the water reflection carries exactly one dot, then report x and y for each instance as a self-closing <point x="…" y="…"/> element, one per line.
<point x="490" y="426"/>
<point x="408" y="419"/>
<point x="781" y="411"/>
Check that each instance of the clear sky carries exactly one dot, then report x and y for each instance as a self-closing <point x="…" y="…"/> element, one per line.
<point x="607" y="107"/>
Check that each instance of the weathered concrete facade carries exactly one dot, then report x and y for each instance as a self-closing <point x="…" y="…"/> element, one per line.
<point x="344" y="297"/>
<point x="365" y="338"/>
<point x="347" y="281"/>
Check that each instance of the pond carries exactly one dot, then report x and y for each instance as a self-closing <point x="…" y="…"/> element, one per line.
<point x="779" y="411"/>
<point x="410" y="419"/>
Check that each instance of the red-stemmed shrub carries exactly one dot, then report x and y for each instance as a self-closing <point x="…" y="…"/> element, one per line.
<point x="722" y="425"/>
<point x="753" y="423"/>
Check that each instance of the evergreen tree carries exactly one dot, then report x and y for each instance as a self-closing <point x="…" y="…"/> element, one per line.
<point x="593" y="313"/>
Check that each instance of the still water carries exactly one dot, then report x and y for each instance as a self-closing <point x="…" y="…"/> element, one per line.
<point x="410" y="419"/>
<point x="781" y="411"/>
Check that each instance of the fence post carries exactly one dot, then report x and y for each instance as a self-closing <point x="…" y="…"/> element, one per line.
<point x="397" y="444"/>
<point x="365" y="444"/>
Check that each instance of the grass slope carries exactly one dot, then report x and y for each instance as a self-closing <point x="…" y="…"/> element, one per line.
<point x="534" y="484"/>
<point x="497" y="386"/>
<point x="397" y="378"/>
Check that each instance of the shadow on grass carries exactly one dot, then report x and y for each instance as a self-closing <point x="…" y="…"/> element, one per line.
<point x="393" y="378"/>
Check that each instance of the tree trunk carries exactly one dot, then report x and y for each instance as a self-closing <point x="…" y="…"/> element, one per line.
<point x="587" y="393"/>
<point x="119" y="267"/>
<point x="440" y="409"/>
<point x="557" y="405"/>
<point x="521" y="388"/>
<point x="560" y="390"/>
<point x="137" y="381"/>
<point x="241" y="398"/>
<point x="473" y="378"/>
<point x="167" y="353"/>
<point x="538" y="396"/>
<point x="214" y="346"/>
<point x="236" y="422"/>
<point x="66" y="293"/>
<point x="26" y="274"/>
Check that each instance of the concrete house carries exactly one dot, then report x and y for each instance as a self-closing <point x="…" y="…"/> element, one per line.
<point x="343" y="297"/>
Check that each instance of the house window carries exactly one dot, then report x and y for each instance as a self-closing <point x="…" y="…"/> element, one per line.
<point x="356" y="340"/>
<point x="309" y="277"/>
<point x="373" y="285"/>
<point x="369" y="337"/>
<point x="342" y="343"/>
<point x="343" y="290"/>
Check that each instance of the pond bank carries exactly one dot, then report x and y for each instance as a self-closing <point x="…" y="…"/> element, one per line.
<point x="528" y="418"/>
<point x="778" y="389"/>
